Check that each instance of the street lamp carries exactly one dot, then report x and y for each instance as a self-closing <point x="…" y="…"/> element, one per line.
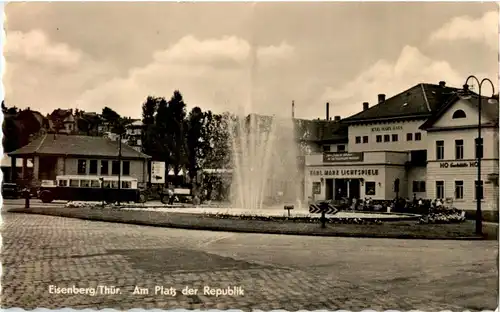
<point x="479" y="146"/>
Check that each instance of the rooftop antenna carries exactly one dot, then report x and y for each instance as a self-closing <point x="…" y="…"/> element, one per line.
<point x="293" y="109"/>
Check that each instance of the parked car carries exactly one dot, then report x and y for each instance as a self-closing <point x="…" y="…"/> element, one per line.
<point x="10" y="190"/>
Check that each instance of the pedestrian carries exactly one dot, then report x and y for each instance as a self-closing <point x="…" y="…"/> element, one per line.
<point x="170" y="193"/>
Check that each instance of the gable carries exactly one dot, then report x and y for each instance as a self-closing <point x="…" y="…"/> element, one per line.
<point x="454" y="116"/>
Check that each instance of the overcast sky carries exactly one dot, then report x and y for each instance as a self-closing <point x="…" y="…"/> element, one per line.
<point x="224" y="56"/>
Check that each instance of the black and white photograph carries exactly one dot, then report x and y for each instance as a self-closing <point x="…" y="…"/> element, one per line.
<point x="252" y="156"/>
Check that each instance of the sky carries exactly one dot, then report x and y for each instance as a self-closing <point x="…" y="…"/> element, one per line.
<point x="241" y="57"/>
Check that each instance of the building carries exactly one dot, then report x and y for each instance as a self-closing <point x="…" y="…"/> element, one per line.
<point x="133" y="134"/>
<point x="63" y="154"/>
<point x="63" y="121"/>
<point x="419" y="137"/>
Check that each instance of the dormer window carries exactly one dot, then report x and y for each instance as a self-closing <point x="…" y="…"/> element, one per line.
<point x="458" y="114"/>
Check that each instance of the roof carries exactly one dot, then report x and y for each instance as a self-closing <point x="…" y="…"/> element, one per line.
<point x="321" y="130"/>
<point x="419" y="101"/>
<point x="316" y="130"/>
<point x="81" y="145"/>
<point x="489" y="109"/>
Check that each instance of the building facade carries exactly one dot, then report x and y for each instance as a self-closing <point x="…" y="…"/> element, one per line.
<point x="62" y="154"/>
<point x="422" y="139"/>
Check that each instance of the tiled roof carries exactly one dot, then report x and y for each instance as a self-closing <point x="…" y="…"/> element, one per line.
<point x="320" y="130"/>
<point x="80" y="145"/>
<point x="489" y="109"/>
<point x="420" y="100"/>
<point x="313" y="130"/>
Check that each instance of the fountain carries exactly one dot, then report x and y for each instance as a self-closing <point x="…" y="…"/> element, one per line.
<point x="265" y="166"/>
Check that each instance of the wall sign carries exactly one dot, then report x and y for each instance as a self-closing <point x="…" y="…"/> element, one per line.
<point x="387" y="128"/>
<point x="329" y="157"/>
<point x="343" y="172"/>
<point x="316" y="188"/>
<point x="470" y="164"/>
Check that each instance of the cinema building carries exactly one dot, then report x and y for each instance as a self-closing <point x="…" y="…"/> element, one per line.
<point x="424" y="137"/>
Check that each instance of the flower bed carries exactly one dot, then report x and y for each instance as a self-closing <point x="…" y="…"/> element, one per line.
<point x="293" y="219"/>
<point x="443" y="216"/>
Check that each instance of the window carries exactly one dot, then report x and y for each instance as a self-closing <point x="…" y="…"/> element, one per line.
<point x="478" y="190"/>
<point x="379" y="138"/>
<point x="126" y="184"/>
<point x="106" y="184"/>
<point x="459" y="149"/>
<point x="95" y="183"/>
<point x="418" y="136"/>
<point x="479" y="148"/>
<point x="459" y="189"/>
<point x="395" y="138"/>
<point x="74" y="183"/>
<point x="93" y="166"/>
<point x="418" y="187"/>
<point x="115" y="167"/>
<point x="358" y="139"/>
<point x="370" y="188"/>
<point x="82" y="166"/>
<point x="409" y="137"/>
<point x="63" y="182"/>
<point x="326" y="148"/>
<point x="114" y="184"/>
<point x="104" y="167"/>
<point x="439" y="150"/>
<point x="85" y="183"/>
<point x="340" y="148"/>
<point x="365" y="139"/>
<point x="387" y="138"/>
<point x="440" y="189"/>
<point x="458" y="114"/>
<point x="126" y="168"/>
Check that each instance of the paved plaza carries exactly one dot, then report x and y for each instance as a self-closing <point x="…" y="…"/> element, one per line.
<point x="273" y="271"/>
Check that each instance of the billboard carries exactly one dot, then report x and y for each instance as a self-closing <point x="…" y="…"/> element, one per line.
<point x="158" y="172"/>
<point x="342" y="157"/>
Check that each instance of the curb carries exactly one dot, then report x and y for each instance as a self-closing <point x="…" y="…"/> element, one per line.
<point x="243" y="230"/>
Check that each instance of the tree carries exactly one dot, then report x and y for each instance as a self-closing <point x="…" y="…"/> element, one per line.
<point x="176" y="114"/>
<point x="149" y="109"/>
<point x="194" y="141"/>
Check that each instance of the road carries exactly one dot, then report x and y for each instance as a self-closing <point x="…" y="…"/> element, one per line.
<point x="274" y="271"/>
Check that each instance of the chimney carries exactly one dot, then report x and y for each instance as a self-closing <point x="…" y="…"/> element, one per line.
<point x="381" y="98"/>
<point x="293" y="109"/>
<point x="327" y="111"/>
<point x="442" y="84"/>
<point x="337" y="118"/>
<point x="366" y="105"/>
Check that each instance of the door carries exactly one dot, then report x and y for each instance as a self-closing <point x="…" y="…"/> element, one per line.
<point x="329" y="189"/>
<point x="340" y="189"/>
<point x="354" y="188"/>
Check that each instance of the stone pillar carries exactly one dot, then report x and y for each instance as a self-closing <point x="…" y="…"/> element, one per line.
<point x="24" y="169"/>
<point x="36" y="167"/>
<point x="13" y="169"/>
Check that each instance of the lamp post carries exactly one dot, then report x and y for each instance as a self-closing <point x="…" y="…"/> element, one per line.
<point x="119" y="167"/>
<point x="479" y="149"/>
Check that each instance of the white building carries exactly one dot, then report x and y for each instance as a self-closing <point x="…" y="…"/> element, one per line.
<point x="399" y="138"/>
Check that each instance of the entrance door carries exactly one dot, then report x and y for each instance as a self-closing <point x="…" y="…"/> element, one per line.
<point x="340" y="188"/>
<point x="354" y="188"/>
<point x="329" y="189"/>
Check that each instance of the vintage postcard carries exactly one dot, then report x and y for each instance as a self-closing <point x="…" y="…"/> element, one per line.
<point x="250" y="156"/>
